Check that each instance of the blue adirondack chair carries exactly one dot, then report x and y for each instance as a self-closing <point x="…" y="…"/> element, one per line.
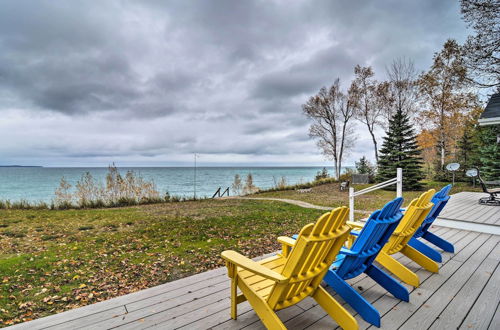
<point x="359" y="258"/>
<point x="439" y="199"/>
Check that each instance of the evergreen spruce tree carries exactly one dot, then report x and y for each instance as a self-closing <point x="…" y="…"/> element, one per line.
<point x="365" y="167"/>
<point x="489" y="152"/>
<point x="468" y="150"/>
<point x="400" y="149"/>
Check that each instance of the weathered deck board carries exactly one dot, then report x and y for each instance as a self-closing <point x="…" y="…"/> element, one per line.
<point x="453" y="315"/>
<point x="478" y="213"/>
<point x="446" y="294"/>
<point x="386" y="303"/>
<point x="495" y="322"/>
<point x="88" y="311"/>
<point x="398" y="315"/>
<point x="173" y="305"/>
<point x="484" y="306"/>
<point x="464" y="206"/>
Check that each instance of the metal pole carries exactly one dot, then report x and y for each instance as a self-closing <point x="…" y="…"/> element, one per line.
<point x="194" y="183"/>
<point x="399" y="182"/>
<point x="351" y="203"/>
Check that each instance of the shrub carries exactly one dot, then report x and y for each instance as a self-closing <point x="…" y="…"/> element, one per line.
<point x="347" y="175"/>
<point x="323" y="174"/>
<point x="280" y="184"/>
<point x="365" y="167"/>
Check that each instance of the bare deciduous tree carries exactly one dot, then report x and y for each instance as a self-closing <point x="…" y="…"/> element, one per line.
<point x="331" y="111"/>
<point x="403" y="89"/>
<point x="383" y="100"/>
<point x="368" y="109"/>
<point x="482" y="49"/>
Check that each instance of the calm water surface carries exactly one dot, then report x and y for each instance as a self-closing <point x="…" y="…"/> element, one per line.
<point x="39" y="183"/>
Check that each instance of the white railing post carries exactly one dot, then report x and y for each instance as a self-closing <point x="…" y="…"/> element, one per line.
<point x="351" y="204"/>
<point x="399" y="182"/>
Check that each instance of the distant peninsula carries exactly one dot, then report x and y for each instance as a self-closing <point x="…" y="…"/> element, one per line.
<point x="19" y="166"/>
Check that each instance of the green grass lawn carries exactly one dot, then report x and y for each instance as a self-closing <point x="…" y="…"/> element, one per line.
<point x="52" y="261"/>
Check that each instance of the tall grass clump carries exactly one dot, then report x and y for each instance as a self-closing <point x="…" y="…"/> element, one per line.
<point x="117" y="190"/>
<point x="249" y="187"/>
<point x="237" y="185"/>
<point x="280" y="184"/>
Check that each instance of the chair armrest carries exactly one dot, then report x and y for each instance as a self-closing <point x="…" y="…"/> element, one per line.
<point x="288" y="241"/>
<point x="347" y="252"/>
<point x="233" y="257"/>
<point x="287" y="244"/>
<point x="355" y="225"/>
<point x="353" y="234"/>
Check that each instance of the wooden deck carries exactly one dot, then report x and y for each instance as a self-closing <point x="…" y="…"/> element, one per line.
<point x="465" y="294"/>
<point x="464" y="207"/>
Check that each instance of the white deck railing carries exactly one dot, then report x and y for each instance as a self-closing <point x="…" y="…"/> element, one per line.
<point x="398" y="180"/>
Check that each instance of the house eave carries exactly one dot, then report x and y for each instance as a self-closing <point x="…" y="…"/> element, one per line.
<point x="489" y="121"/>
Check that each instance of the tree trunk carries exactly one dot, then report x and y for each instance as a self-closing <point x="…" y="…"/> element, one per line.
<point x="442" y="146"/>
<point x="336" y="163"/>
<point x="374" y="144"/>
<point x="442" y="128"/>
<point x="339" y="170"/>
<point x="442" y="157"/>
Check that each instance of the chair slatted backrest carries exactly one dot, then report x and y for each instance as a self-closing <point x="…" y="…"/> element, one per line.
<point x="315" y="249"/>
<point x="371" y="239"/>
<point x="440" y="199"/>
<point x="482" y="182"/>
<point x="415" y="214"/>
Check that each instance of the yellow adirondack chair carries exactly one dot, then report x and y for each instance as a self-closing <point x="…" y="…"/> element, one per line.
<point x="398" y="242"/>
<point x="287" y="278"/>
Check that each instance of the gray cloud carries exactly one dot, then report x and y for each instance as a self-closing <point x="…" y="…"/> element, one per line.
<point x="307" y="76"/>
<point x="152" y="81"/>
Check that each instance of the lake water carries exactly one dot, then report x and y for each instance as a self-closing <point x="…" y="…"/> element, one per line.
<point x="39" y="183"/>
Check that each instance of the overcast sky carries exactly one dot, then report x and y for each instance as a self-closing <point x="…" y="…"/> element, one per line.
<point x="150" y="83"/>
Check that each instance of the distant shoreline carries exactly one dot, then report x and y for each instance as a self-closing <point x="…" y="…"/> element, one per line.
<point x="20" y="166"/>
